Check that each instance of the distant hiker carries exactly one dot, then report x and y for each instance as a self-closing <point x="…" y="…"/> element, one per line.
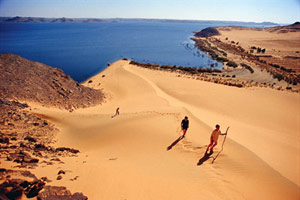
<point x="214" y="138"/>
<point x="184" y="125"/>
<point x="117" y="113"/>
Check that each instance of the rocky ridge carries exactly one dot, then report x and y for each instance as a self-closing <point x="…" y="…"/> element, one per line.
<point x="29" y="81"/>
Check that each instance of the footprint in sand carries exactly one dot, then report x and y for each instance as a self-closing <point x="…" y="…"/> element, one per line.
<point x="188" y="146"/>
<point x="197" y="148"/>
<point x="74" y="179"/>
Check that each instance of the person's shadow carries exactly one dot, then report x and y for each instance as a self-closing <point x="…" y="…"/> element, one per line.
<point x="205" y="157"/>
<point x="174" y="143"/>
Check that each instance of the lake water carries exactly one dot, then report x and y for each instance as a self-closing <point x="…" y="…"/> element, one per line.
<point x="84" y="49"/>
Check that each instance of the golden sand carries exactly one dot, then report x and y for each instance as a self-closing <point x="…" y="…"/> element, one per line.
<point x="126" y="157"/>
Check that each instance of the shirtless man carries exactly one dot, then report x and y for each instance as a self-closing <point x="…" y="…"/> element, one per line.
<point x="214" y="138"/>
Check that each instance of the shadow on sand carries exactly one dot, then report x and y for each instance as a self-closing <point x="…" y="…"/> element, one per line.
<point x="216" y="157"/>
<point x="174" y="143"/>
<point x="205" y="158"/>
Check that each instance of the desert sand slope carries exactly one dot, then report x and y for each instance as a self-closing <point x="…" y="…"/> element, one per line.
<point x="126" y="157"/>
<point x="287" y="42"/>
<point x="280" y="43"/>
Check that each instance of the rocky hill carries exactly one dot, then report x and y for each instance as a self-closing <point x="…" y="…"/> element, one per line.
<point x="285" y="29"/>
<point x="29" y="81"/>
<point x="50" y="20"/>
<point x="207" y="32"/>
<point x="212" y="31"/>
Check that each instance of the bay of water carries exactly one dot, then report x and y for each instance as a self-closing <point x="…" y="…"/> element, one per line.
<point x="84" y="49"/>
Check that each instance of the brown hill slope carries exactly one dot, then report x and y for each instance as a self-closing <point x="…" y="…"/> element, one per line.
<point x="212" y="31"/>
<point x="25" y="80"/>
<point x="285" y="29"/>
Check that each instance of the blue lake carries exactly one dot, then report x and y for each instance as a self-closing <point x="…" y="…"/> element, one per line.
<point x="84" y="49"/>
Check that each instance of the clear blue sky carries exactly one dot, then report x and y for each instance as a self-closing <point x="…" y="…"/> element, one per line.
<point x="280" y="11"/>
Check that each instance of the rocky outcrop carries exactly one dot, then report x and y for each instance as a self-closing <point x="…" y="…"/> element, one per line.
<point x="26" y="141"/>
<point x="207" y="32"/>
<point x="59" y="193"/>
<point x="12" y="188"/>
<point x="25" y="80"/>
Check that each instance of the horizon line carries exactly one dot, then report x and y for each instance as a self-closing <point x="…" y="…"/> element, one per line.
<point x="137" y="18"/>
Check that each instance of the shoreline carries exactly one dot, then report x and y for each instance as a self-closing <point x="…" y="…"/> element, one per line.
<point x="223" y="45"/>
<point x="227" y="77"/>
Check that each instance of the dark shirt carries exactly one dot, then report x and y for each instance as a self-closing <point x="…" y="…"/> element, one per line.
<point x="185" y="124"/>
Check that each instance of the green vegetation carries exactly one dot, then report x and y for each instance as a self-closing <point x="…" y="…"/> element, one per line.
<point x="221" y="59"/>
<point x="294" y="82"/>
<point x="282" y="68"/>
<point x="258" y="49"/>
<point x="248" y="67"/>
<point x="277" y="76"/>
<point x="275" y="65"/>
<point x="190" y="70"/>
<point x="232" y="64"/>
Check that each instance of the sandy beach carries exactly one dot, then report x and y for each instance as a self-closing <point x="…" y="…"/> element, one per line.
<point x="126" y="157"/>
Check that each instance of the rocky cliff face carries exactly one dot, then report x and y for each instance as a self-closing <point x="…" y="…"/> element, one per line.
<point x="25" y="80"/>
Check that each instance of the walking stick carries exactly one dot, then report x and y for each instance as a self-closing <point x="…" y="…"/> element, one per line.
<point x="224" y="138"/>
<point x="222" y="147"/>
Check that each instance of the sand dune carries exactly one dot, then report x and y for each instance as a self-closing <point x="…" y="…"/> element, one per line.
<point x="126" y="157"/>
